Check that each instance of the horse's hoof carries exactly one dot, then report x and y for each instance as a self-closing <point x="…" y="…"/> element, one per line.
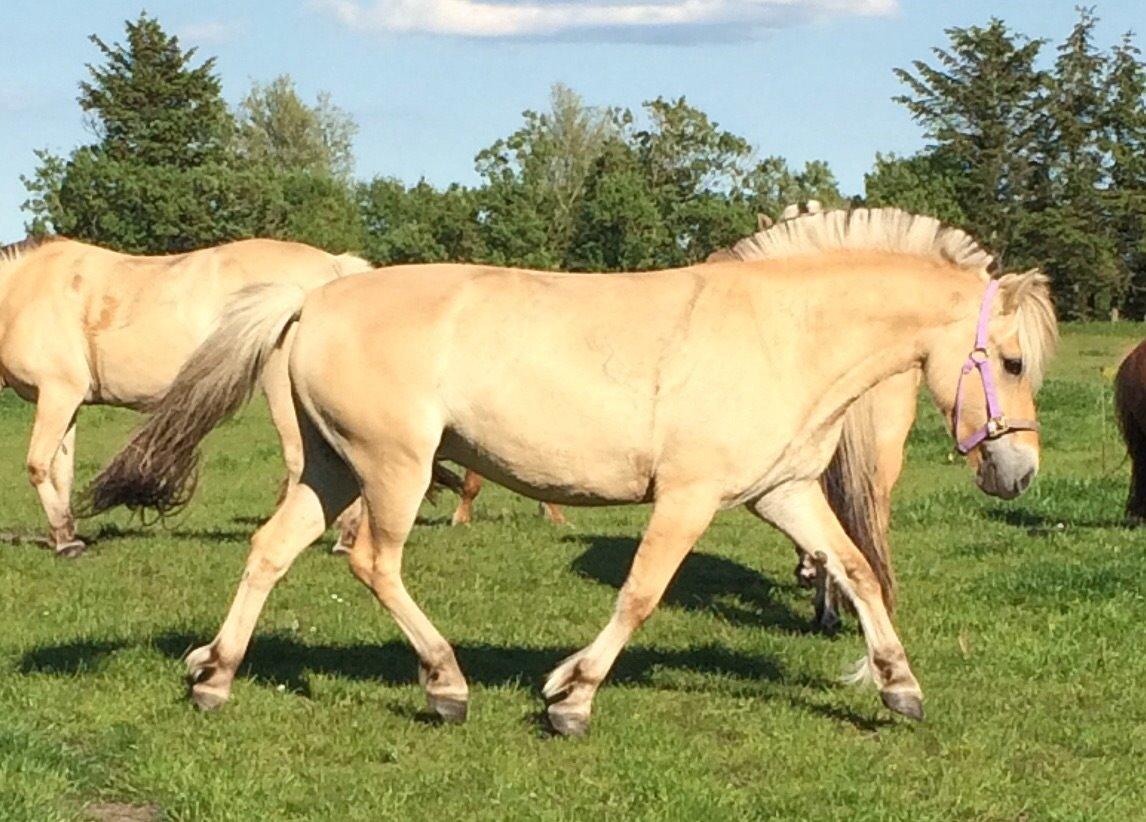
<point x="70" y="550"/>
<point x="905" y="703"/>
<point x="450" y="709"/>
<point x="828" y="622"/>
<point x="207" y="699"/>
<point x="564" y="723"/>
<point x="339" y="548"/>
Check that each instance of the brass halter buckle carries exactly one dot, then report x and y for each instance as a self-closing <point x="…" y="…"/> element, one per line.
<point x="996" y="427"/>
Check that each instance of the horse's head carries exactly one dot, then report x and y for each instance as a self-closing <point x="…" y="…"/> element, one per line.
<point x="986" y="378"/>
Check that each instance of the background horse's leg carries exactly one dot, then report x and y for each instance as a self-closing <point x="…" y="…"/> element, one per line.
<point x="802" y="512"/>
<point x="471" y="487"/>
<point x="678" y="519"/>
<point x="392" y="494"/>
<point x="348" y="524"/>
<point x="52" y="431"/>
<point x="553" y="513"/>
<point x="325" y="488"/>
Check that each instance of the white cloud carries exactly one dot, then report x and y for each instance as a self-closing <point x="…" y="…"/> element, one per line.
<point x="592" y="19"/>
<point x="210" y="32"/>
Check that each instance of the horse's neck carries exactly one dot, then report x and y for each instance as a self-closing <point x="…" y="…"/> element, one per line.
<point x="866" y="331"/>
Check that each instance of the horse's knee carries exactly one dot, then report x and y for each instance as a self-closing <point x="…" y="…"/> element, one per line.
<point x="37" y="472"/>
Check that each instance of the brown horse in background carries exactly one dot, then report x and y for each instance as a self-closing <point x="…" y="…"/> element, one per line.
<point x="83" y="325"/>
<point x="1130" y="411"/>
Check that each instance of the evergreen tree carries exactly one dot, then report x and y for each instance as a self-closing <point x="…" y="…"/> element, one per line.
<point x="1068" y="230"/>
<point x="160" y="177"/>
<point x="981" y="107"/>
<point x="1124" y="140"/>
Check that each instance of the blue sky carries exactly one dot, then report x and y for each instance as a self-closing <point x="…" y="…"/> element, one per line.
<point x="431" y="82"/>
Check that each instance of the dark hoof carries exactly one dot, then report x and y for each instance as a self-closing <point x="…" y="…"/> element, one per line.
<point x="70" y="550"/>
<point x="904" y="702"/>
<point x="828" y="623"/>
<point x="568" y="724"/>
<point x="449" y="709"/>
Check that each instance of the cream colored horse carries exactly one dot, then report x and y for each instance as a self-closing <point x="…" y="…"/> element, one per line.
<point x="695" y="390"/>
<point x="84" y="325"/>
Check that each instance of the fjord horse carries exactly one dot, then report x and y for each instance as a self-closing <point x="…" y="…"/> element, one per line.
<point x="82" y="325"/>
<point x="693" y="390"/>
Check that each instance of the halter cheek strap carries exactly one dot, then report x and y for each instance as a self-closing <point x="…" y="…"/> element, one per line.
<point x="979" y="360"/>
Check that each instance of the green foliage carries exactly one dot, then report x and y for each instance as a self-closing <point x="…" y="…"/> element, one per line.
<point x="1044" y="166"/>
<point x="160" y="177"/>
<point x="419" y="224"/>
<point x="276" y="129"/>
<point x="981" y="107"/>
<point x="924" y="183"/>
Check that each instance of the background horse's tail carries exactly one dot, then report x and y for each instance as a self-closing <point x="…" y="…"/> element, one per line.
<point x="349" y="264"/>
<point x="849" y="484"/>
<point x="1130" y="411"/>
<point x="157" y="469"/>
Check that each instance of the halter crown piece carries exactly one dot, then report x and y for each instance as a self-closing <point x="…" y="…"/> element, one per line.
<point x="997" y="424"/>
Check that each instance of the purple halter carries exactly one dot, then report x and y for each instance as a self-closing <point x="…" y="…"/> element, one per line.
<point x="997" y="424"/>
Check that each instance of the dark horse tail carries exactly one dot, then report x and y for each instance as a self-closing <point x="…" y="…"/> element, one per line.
<point x="849" y="484"/>
<point x="1130" y="411"/>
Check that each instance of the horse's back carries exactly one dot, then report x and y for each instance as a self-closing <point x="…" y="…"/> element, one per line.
<point x="131" y="321"/>
<point x="499" y="359"/>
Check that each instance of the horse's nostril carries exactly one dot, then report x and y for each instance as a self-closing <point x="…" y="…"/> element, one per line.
<point x="1026" y="479"/>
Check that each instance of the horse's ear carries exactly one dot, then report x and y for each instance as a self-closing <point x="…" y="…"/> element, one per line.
<point x="763" y="222"/>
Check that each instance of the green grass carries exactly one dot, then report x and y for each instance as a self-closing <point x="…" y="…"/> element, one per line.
<point x="1024" y="622"/>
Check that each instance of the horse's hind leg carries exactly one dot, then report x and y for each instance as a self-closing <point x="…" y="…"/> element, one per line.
<point x="471" y="487"/>
<point x="49" y="471"/>
<point x="802" y="512"/>
<point x="393" y="490"/>
<point x="325" y="488"/>
<point x="677" y="521"/>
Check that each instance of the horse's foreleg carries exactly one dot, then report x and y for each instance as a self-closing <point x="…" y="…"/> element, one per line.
<point x="392" y="496"/>
<point x="678" y="519"/>
<point x="471" y="487"/>
<point x="802" y="512"/>
<point x="51" y="455"/>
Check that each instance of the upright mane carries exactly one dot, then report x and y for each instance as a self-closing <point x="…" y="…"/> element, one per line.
<point x="1026" y="295"/>
<point x="875" y="229"/>
<point x="14" y="251"/>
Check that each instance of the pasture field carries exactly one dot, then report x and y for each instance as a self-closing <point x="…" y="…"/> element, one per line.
<point x="1025" y="622"/>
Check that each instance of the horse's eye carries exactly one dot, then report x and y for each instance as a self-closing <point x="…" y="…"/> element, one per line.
<point x="1013" y="366"/>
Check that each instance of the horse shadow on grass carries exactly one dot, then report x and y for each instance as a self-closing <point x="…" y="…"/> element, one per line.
<point x="705" y="583"/>
<point x="1038" y="525"/>
<point x="283" y="662"/>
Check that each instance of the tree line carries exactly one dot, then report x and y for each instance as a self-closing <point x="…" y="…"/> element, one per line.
<point x="1046" y="164"/>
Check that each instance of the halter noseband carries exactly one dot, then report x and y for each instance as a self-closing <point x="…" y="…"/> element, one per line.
<point x="997" y="424"/>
